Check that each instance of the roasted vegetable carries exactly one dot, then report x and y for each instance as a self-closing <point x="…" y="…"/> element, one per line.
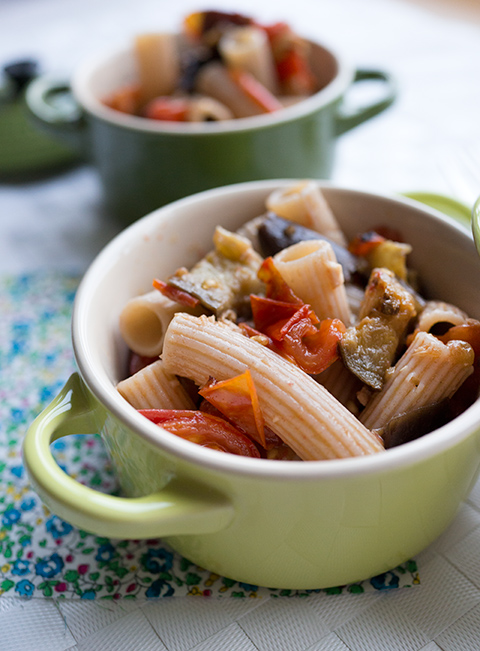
<point x="416" y="423"/>
<point x="224" y="279"/>
<point x="276" y="234"/>
<point x="368" y="349"/>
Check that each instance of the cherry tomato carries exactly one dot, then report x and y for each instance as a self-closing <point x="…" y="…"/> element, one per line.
<point x="203" y="429"/>
<point x="237" y="399"/>
<point x="171" y="109"/>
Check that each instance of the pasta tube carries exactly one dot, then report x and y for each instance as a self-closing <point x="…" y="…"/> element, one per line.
<point x="247" y="48"/>
<point x="342" y="384"/>
<point x="143" y="322"/>
<point x="302" y="412"/>
<point x="311" y="269"/>
<point x="438" y="312"/>
<point x="214" y="80"/>
<point x="158" y="64"/>
<point x="154" y="388"/>
<point x="427" y="372"/>
<point x="206" y="109"/>
<point x="305" y="204"/>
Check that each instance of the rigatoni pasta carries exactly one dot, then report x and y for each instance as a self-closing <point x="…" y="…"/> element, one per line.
<point x="244" y="67"/>
<point x="153" y="385"/>
<point x="313" y="423"/>
<point x="428" y="372"/>
<point x="311" y="269"/>
<point x="283" y="363"/>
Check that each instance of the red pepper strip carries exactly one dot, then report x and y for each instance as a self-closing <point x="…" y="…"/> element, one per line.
<point x="237" y="399"/>
<point x="203" y="429"/>
<point x="364" y="244"/>
<point x="256" y="91"/>
<point x="175" y="294"/>
<point x="171" y="109"/>
<point x="277" y="288"/>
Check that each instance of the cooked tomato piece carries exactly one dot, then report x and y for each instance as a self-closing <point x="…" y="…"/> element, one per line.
<point x="171" y="109"/>
<point x="297" y="333"/>
<point x="126" y="99"/>
<point x="237" y="399"/>
<point x="276" y="288"/>
<point x="314" y="352"/>
<point x="203" y="429"/>
<point x="175" y="294"/>
<point x="295" y="73"/>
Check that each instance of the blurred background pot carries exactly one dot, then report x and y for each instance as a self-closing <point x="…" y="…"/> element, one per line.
<point x="144" y="164"/>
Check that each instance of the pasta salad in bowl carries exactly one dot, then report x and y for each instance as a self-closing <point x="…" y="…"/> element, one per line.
<point x="288" y="393"/>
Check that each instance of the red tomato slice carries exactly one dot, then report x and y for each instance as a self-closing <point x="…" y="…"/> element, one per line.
<point x="175" y="294"/>
<point x="297" y="333"/>
<point x="314" y="352"/>
<point x="277" y="288"/>
<point x="203" y="429"/>
<point x="171" y="109"/>
<point x="294" y="71"/>
<point x="237" y="399"/>
<point x="268" y="313"/>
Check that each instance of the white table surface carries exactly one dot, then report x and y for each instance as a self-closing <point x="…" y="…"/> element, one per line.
<point x="427" y="141"/>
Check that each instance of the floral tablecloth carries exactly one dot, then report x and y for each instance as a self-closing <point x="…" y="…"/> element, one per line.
<point x="40" y="554"/>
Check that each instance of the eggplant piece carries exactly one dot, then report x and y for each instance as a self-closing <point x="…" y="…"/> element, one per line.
<point x="224" y="279"/>
<point x="416" y="423"/>
<point x="276" y="233"/>
<point x="368" y="349"/>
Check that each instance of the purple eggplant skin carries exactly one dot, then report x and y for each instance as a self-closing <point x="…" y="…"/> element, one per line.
<point x="276" y="233"/>
<point x="416" y="423"/>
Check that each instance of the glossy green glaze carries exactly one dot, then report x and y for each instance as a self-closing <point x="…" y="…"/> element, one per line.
<point x="302" y="525"/>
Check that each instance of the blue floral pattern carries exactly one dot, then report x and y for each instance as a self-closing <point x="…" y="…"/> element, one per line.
<point x="40" y="554"/>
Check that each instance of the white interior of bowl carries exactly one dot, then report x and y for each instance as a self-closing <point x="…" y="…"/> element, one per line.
<point x="179" y="234"/>
<point x="102" y="75"/>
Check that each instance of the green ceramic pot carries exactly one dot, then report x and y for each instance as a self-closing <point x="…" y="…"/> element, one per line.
<point x="145" y="164"/>
<point x="283" y="524"/>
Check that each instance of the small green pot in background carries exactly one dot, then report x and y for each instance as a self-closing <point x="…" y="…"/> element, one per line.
<point x="145" y="164"/>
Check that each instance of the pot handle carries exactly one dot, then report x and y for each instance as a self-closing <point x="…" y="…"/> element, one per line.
<point x="50" y="103"/>
<point x="347" y="119"/>
<point x="179" y="508"/>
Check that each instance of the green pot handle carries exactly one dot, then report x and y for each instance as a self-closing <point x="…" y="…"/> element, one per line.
<point x="178" y="509"/>
<point x="346" y="119"/>
<point x="54" y="110"/>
